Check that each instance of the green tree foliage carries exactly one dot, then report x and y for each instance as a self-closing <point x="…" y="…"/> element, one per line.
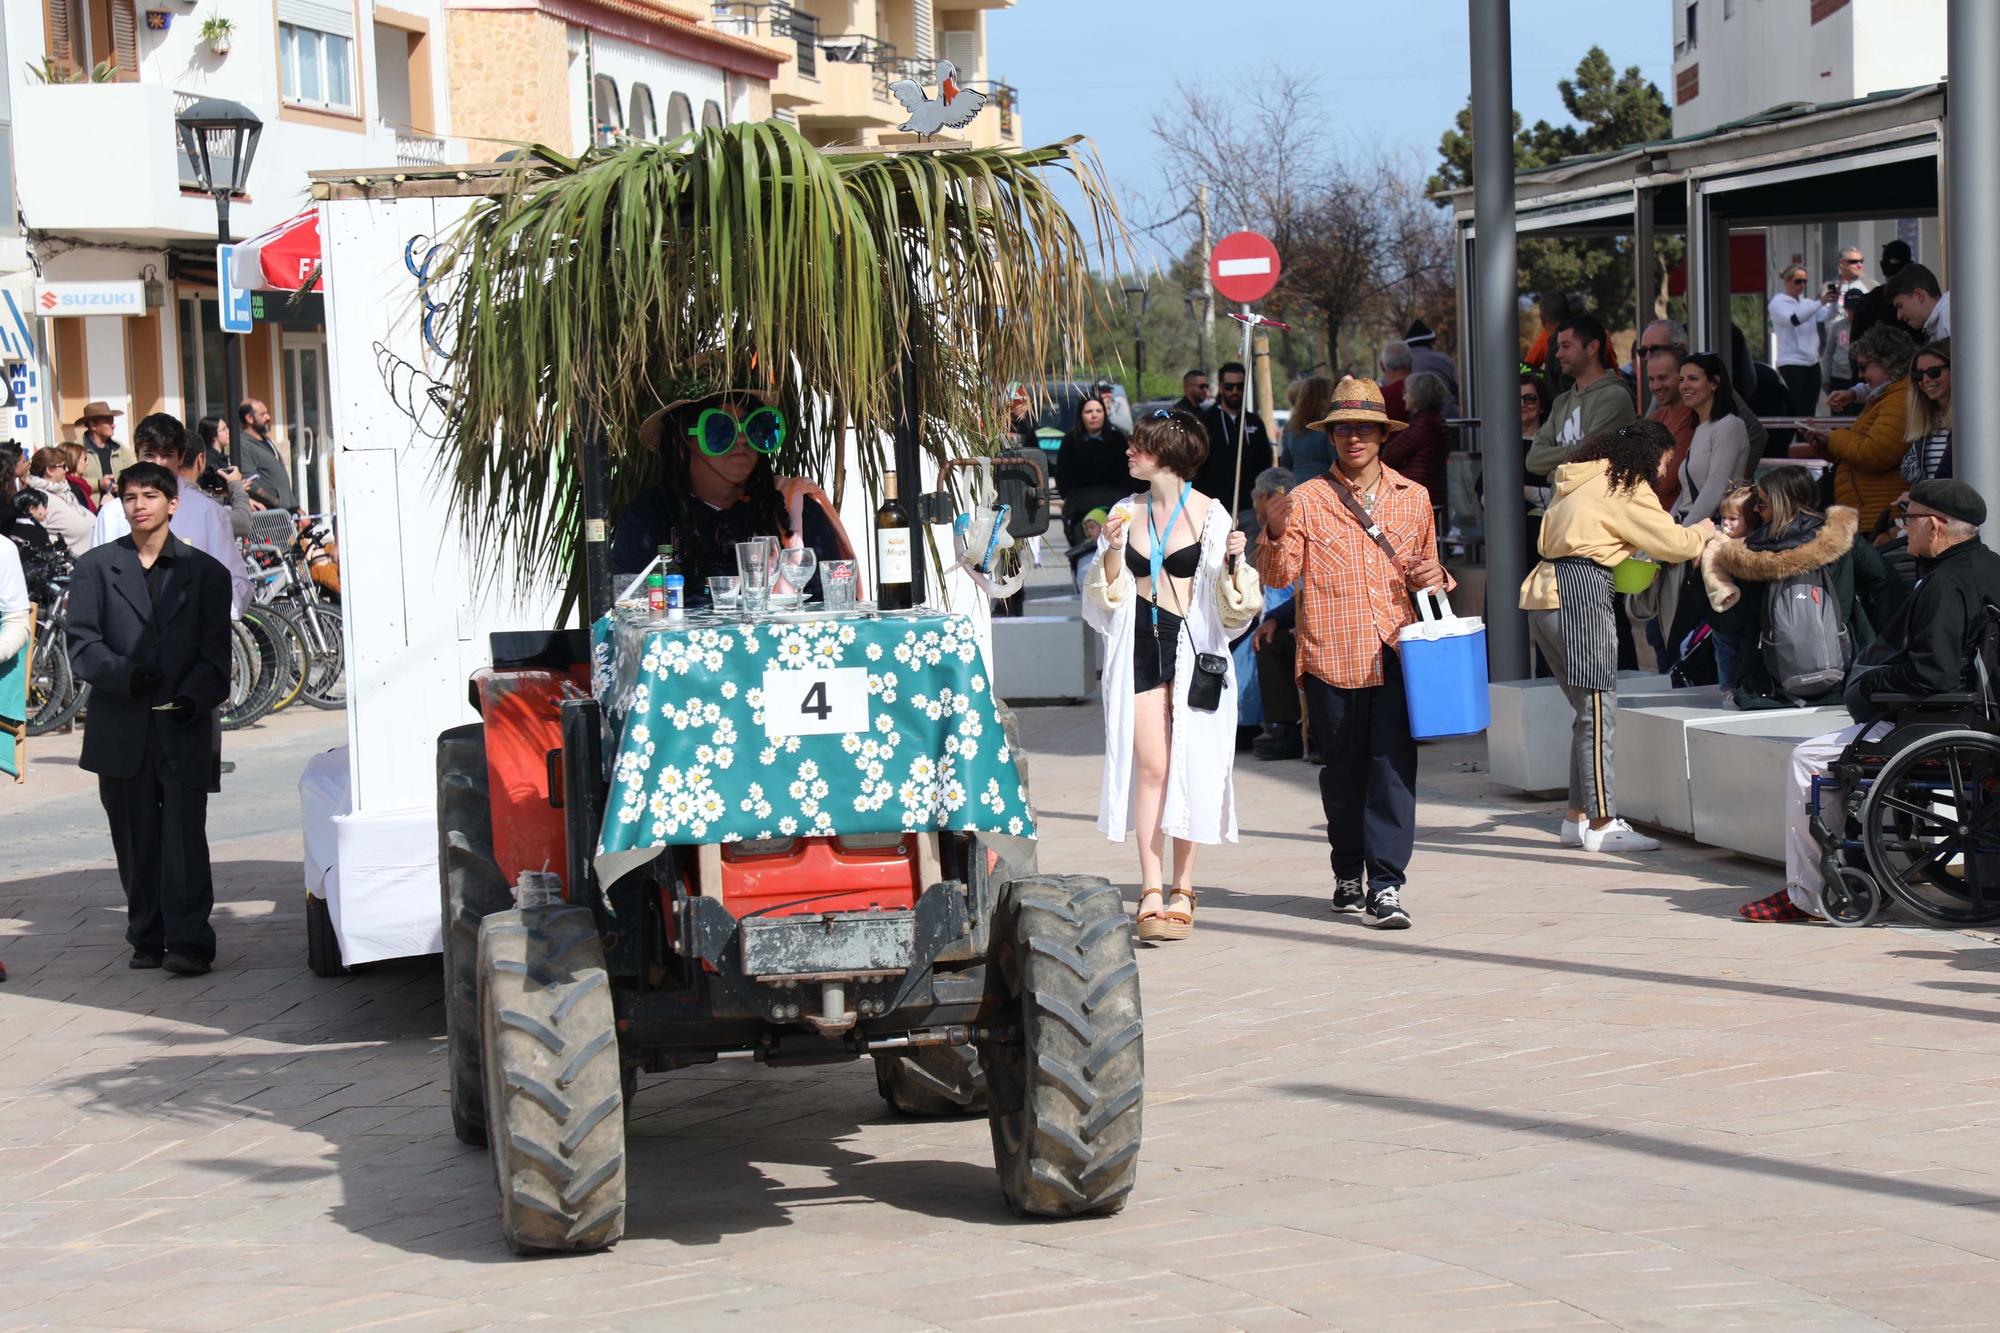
<point x="1612" y="110"/>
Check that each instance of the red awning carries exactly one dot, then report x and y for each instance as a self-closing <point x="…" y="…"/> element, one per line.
<point x="282" y="258"/>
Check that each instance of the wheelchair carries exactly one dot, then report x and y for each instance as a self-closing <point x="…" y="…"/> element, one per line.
<point x="1912" y="816"/>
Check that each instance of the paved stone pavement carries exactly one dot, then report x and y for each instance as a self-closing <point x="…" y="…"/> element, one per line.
<point x="1578" y="1092"/>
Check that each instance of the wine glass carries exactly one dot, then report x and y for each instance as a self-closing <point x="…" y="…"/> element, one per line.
<point x="796" y="566"/>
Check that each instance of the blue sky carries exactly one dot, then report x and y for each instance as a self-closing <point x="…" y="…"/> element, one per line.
<point x="1394" y="71"/>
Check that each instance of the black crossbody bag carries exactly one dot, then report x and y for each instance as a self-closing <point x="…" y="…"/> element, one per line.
<point x="1211" y="671"/>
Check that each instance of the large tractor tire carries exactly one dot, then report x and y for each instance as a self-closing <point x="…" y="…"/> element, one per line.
<point x="932" y="1080"/>
<point x="554" y="1091"/>
<point x="1065" y="1093"/>
<point x="471" y="889"/>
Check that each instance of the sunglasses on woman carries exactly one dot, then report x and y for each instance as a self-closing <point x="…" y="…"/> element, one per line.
<point x="717" y="432"/>
<point x="1922" y="373"/>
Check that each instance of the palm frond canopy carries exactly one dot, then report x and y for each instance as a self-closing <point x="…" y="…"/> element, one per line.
<point x="594" y="291"/>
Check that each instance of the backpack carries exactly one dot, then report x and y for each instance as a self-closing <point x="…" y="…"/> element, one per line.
<point x="1805" y="645"/>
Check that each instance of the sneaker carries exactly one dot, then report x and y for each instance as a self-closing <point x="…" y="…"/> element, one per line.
<point x="1349" y="895"/>
<point x="1572" y="834"/>
<point x="144" y="960"/>
<point x="1385" y="911"/>
<point x="186" y="965"/>
<point x="1618" y="836"/>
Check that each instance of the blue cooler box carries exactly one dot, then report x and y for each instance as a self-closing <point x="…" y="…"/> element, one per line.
<point x="1444" y="671"/>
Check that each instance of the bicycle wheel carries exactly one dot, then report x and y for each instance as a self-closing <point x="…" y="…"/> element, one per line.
<point x="326" y="680"/>
<point x="250" y="690"/>
<point x="285" y="653"/>
<point x="53" y="695"/>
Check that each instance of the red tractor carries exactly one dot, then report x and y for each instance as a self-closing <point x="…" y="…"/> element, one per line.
<point x="973" y="981"/>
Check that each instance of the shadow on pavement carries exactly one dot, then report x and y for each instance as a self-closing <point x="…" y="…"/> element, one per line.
<point x="359" y="1062"/>
<point x="1651" y="1145"/>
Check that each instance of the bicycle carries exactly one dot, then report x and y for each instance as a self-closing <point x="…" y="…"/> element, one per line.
<point x="287" y="588"/>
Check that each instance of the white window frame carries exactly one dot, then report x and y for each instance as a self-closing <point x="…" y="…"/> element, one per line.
<point x="288" y="80"/>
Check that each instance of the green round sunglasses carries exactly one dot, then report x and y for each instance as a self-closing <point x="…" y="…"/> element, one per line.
<point x="717" y="432"/>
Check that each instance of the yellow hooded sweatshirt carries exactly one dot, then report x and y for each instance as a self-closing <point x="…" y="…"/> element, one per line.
<point x="1588" y="519"/>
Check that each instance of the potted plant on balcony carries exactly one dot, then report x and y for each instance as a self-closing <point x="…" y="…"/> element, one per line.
<point x="217" y="31"/>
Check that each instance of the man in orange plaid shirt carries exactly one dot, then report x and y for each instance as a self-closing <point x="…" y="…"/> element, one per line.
<point x="1357" y="571"/>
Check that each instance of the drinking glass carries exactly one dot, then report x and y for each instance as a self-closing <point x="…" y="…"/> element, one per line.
<point x="771" y="545"/>
<point x="753" y="566"/>
<point x="796" y="565"/>
<point x="722" y="590"/>
<point x="836" y="584"/>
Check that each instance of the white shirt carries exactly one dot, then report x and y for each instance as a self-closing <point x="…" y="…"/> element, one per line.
<point x="202" y="524"/>
<point x="1939" y="324"/>
<point x="1796" y="319"/>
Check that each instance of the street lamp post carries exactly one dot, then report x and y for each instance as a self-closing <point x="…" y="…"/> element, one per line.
<point x="1137" y="296"/>
<point x="220" y="139"/>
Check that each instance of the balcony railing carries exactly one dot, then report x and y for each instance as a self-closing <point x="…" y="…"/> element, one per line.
<point x="775" y="19"/>
<point x="1003" y="96"/>
<point x="182" y="101"/>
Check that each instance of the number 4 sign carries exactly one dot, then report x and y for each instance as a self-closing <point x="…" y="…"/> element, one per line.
<point x="819" y="701"/>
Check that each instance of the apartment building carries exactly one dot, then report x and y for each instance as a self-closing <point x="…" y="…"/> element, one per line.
<point x="846" y="53"/>
<point x="108" y="196"/>
<point x="1734" y="58"/>
<point x="570" y="73"/>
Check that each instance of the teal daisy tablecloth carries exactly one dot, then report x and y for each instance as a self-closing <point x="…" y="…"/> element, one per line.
<point x="724" y="730"/>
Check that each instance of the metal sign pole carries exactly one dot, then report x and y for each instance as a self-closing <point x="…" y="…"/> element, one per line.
<point x="1243" y="420"/>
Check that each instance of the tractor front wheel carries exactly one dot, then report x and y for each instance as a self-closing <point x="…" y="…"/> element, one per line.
<point x="555" y="1120"/>
<point x="1065" y="1068"/>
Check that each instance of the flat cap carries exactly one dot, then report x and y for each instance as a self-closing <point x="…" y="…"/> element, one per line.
<point x="1952" y="498"/>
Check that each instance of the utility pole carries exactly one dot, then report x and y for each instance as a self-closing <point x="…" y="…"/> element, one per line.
<point x="1206" y="334"/>
<point x="1972" y="136"/>
<point x="1496" y="341"/>
<point x="1260" y="366"/>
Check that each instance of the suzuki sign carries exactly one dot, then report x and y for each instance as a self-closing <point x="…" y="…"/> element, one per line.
<point x="53" y="299"/>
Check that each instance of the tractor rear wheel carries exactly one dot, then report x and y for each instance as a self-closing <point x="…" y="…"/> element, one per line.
<point x="1065" y="1088"/>
<point x="932" y="1080"/>
<point x="471" y="888"/>
<point x="554" y="1089"/>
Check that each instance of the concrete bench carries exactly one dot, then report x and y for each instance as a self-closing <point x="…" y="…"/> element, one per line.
<point x="1739" y="772"/>
<point x="1044" y="659"/>
<point x="1652" y="754"/>
<point x="1527" y="742"/>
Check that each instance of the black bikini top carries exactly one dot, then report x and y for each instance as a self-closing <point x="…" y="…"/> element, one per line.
<point x="1179" y="564"/>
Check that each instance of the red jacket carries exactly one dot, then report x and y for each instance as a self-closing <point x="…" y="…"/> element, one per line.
<point x="1419" y="451"/>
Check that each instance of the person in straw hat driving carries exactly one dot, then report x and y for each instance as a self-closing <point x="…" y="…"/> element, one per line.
<point x="104" y="458"/>
<point x="1360" y="539"/>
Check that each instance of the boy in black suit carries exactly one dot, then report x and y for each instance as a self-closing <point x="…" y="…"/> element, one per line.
<point x="149" y="630"/>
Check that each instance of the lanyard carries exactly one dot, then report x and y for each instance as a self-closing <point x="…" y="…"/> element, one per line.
<point x="1159" y="555"/>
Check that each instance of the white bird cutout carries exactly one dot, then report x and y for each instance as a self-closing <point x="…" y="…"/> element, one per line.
<point x="954" y="109"/>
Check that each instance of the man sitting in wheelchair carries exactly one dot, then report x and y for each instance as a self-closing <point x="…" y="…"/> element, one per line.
<point x="1919" y="773"/>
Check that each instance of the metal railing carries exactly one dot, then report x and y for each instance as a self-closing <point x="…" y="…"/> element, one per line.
<point x="1006" y="98"/>
<point x="189" y="180"/>
<point x="740" y="18"/>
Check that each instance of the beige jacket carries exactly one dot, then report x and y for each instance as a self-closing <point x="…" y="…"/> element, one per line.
<point x="1588" y="519"/>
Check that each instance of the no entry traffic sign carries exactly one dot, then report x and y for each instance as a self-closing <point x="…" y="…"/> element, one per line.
<point x="1244" y="266"/>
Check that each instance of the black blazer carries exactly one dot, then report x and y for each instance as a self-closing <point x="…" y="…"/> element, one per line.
<point x="116" y="631"/>
<point x="1218" y="475"/>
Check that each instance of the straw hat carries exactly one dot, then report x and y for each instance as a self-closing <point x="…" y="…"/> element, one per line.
<point x="655" y="426"/>
<point x="1357" y="400"/>
<point x="97" y="408"/>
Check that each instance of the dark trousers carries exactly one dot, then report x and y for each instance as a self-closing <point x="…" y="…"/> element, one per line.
<point x="159" y="832"/>
<point x="1368" y="787"/>
<point x="1277" y="667"/>
<point x="1803" y="382"/>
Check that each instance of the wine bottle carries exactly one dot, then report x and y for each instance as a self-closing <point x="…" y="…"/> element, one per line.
<point x="892" y="550"/>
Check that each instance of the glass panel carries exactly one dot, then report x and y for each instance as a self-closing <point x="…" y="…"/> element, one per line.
<point x="315" y="442"/>
<point x="288" y="60"/>
<point x="339" y="70"/>
<point x="311" y="88"/>
<point x="190" y="336"/>
<point x="711" y="116"/>
<point x="680" y="116"/>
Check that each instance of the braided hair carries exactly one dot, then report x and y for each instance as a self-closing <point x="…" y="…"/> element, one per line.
<point x="1633" y="450"/>
<point x="760" y="489"/>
